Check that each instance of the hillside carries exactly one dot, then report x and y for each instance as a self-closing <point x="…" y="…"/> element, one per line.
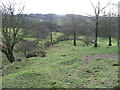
<point x="64" y="67"/>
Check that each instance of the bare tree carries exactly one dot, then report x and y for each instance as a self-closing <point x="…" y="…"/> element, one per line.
<point x="74" y="29"/>
<point x="118" y="23"/>
<point x="108" y="28"/>
<point x="97" y="11"/>
<point x="38" y="29"/>
<point x="12" y="28"/>
<point x="74" y="25"/>
<point x="108" y="25"/>
<point x="51" y="25"/>
<point x="70" y="27"/>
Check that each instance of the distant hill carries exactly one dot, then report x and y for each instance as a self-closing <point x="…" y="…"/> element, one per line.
<point x="56" y="17"/>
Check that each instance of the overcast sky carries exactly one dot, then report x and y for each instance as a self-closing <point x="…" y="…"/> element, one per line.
<point x="60" y="6"/>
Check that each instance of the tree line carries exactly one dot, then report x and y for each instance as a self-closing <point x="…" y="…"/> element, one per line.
<point x="16" y="26"/>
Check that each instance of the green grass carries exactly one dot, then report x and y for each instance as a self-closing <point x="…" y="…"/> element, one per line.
<point x="56" y="71"/>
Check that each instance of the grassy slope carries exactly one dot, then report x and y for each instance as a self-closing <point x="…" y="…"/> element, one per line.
<point x="68" y="71"/>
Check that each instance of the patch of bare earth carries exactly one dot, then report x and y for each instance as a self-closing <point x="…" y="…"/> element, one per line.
<point x="99" y="56"/>
<point x="0" y="74"/>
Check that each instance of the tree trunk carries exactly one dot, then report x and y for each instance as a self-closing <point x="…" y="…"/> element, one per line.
<point x="74" y="39"/>
<point x="9" y="55"/>
<point x="110" y="42"/>
<point x="51" y="38"/>
<point x="96" y="30"/>
<point x="118" y="40"/>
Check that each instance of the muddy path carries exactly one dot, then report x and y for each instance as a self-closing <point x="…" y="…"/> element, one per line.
<point x="99" y="56"/>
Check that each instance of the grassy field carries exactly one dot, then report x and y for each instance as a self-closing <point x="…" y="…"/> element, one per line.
<point x="63" y="67"/>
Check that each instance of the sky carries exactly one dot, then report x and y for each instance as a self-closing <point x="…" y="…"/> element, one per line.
<point x="60" y="7"/>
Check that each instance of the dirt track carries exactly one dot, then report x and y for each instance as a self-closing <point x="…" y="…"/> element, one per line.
<point x="99" y="56"/>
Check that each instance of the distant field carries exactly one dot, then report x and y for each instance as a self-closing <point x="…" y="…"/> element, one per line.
<point x="63" y="67"/>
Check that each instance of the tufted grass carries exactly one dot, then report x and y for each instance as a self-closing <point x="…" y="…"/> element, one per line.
<point x="63" y="67"/>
